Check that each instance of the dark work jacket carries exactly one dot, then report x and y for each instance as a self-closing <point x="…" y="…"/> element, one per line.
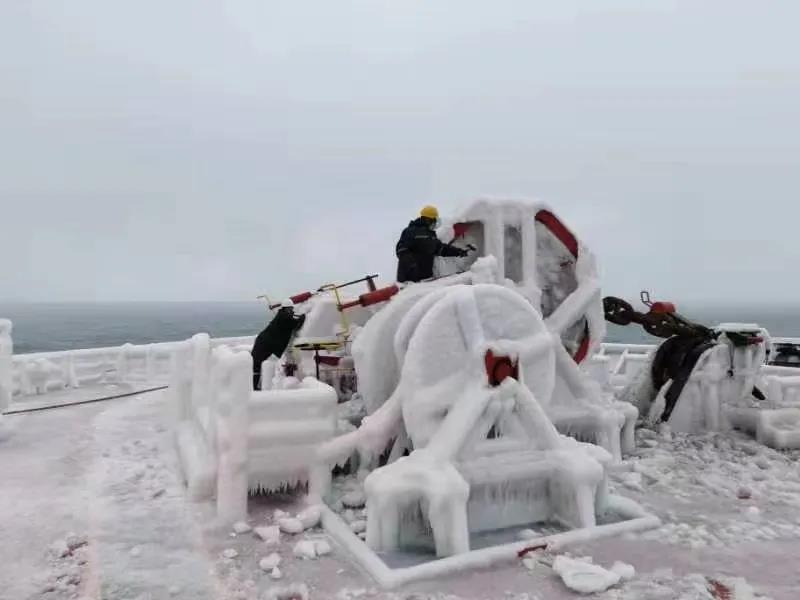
<point x="416" y="249"/>
<point x="275" y="337"/>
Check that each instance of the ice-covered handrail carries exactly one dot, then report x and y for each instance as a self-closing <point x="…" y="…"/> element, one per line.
<point x="40" y="372"/>
<point x="6" y="351"/>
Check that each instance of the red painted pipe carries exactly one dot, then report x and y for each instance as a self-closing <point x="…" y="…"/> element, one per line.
<point x="370" y="298"/>
<point x="297" y="299"/>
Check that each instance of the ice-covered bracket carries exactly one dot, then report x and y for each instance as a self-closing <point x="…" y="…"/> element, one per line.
<point x="727" y="386"/>
<point x="472" y="453"/>
<point x="232" y="440"/>
<point x="527" y="249"/>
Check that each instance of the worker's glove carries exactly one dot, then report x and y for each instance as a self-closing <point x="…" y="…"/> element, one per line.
<point x="463" y="253"/>
<point x="471" y="247"/>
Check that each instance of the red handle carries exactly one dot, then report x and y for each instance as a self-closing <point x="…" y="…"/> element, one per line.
<point x="370" y="298"/>
<point x="297" y="299"/>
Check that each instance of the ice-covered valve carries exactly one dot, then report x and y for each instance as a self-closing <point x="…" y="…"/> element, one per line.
<point x="498" y="368"/>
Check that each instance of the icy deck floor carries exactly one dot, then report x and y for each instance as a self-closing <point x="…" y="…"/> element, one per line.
<point x="107" y="471"/>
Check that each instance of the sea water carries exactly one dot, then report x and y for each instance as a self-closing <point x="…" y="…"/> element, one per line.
<point x="40" y="327"/>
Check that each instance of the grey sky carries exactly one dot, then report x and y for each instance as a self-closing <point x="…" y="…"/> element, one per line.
<point x="217" y="150"/>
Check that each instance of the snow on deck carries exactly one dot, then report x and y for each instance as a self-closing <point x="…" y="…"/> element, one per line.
<point x="107" y="472"/>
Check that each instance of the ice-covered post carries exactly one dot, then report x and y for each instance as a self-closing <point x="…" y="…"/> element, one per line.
<point x="6" y="351"/>
<point x="234" y="387"/>
<point x="122" y="362"/>
<point x="181" y="380"/>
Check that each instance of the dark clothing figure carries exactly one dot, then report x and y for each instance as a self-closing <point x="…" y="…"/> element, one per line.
<point x="274" y="339"/>
<point x="416" y="249"/>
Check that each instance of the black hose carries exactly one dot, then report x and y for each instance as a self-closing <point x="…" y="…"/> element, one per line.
<point x="20" y="411"/>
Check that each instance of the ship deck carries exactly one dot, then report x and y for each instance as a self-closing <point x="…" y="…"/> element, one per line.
<point x="107" y="471"/>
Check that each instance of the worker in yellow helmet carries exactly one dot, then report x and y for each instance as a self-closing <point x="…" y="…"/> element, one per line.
<point x="418" y="245"/>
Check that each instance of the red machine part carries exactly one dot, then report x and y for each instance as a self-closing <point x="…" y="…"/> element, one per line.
<point x="662" y="308"/>
<point x="330" y="361"/>
<point x="498" y="368"/>
<point x="570" y="242"/>
<point x="297" y="299"/>
<point x="566" y="237"/>
<point x="459" y="229"/>
<point x="370" y="298"/>
<point x="558" y="229"/>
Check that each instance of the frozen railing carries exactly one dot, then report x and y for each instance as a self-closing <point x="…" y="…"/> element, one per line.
<point x="232" y="439"/>
<point x="42" y="372"/>
<point x="615" y="364"/>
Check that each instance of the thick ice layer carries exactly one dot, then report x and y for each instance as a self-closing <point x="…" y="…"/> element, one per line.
<point x="6" y="351"/>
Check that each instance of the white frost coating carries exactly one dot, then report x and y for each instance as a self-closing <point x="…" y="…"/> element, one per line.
<point x="275" y="432"/>
<point x="310" y="517"/>
<point x="779" y="428"/>
<point x="305" y="549"/>
<point x="475" y="559"/>
<point x="375" y="350"/>
<point x="322" y="547"/>
<point x="713" y="400"/>
<point x="241" y="527"/>
<point x="291" y="525"/>
<point x="285" y="429"/>
<point x="270" y="535"/>
<point x="6" y="351"/>
<point x="296" y="591"/>
<point x="624" y="570"/>
<point x="444" y="489"/>
<point x="234" y="386"/>
<point x="584" y="577"/>
<point x="270" y="562"/>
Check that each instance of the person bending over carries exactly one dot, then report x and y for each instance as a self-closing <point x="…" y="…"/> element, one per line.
<point x="275" y="338"/>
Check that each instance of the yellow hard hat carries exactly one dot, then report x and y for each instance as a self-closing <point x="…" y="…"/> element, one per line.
<point x="430" y="212"/>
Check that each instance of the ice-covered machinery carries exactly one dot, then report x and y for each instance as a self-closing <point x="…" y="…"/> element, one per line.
<point x="232" y="440"/>
<point x="468" y="379"/>
<point x="478" y="368"/>
<point x="707" y="379"/>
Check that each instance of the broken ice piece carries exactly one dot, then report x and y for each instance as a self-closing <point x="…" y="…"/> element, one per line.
<point x="305" y="550"/>
<point x="744" y="493"/>
<point x="174" y="590"/>
<point x="279" y="514"/>
<point x="291" y="525"/>
<point x="276" y="573"/>
<point x="354" y="499"/>
<point x="349" y="515"/>
<point x="358" y="526"/>
<point x="584" y="577"/>
<point x="624" y="570"/>
<point x="322" y="547"/>
<point x="753" y="513"/>
<point x="297" y="591"/>
<point x="241" y="527"/>
<point x="527" y="534"/>
<point x="270" y="562"/>
<point x="530" y="563"/>
<point x="762" y="462"/>
<point x="230" y="553"/>
<point x="271" y="535"/>
<point x="136" y="551"/>
<point x="310" y="517"/>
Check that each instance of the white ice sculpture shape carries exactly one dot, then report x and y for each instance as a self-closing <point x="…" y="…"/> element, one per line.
<point x="6" y="351"/>
<point x="472" y="441"/>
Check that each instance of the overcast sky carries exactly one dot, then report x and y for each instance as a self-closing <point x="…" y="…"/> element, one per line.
<point x="178" y="150"/>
